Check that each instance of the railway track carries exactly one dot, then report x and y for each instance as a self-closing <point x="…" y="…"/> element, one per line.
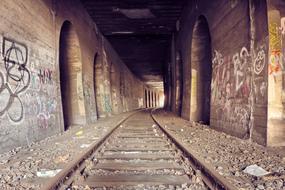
<point x="137" y="154"/>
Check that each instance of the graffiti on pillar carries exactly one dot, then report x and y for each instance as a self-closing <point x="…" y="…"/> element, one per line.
<point x="275" y="46"/>
<point x="89" y="99"/>
<point x="259" y="62"/>
<point x="14" y="79"/>
<point x="275" y="62"/>
<point x="259" y="83"/>
<point x="107" y="103"/>
<point x="231" y="86"/>
<point x="274" y="36"/>
<point x="241" y="68"/>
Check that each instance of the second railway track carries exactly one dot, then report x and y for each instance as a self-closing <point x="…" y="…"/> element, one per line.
<point x="138" y="154"/>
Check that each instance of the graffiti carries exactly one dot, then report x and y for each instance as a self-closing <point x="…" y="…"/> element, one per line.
<point x="45" y="76"/>
<point x="35" y="82"/>
<point x="45" y="121"/>
<point x="240" y="67"/>
<point x="41" y="107"/>
<point x="282" y="28"/>
<point x="274" y="37"/>
<point x="231" y="87"/>
<point x="275" y="62"/>
<point x="259" y="62"/>
<point x="107" y="103"/>
<point x="218" y="58"/>
<point x="221" y="85"/>
<point x="89" y="99"/>
<point x="15" y="79"/>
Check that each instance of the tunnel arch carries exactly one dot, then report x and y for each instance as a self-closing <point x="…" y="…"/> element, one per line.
<point x="70" y="65"/>
<point x="201" y="72"/>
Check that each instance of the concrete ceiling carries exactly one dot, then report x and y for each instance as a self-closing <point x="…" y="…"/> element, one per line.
<point x="140" y="31"/>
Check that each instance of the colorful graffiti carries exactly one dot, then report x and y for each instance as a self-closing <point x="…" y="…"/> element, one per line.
<point x="275" y="62"/>
<point x="231" y="86"/>
<point x="274" y="36"/>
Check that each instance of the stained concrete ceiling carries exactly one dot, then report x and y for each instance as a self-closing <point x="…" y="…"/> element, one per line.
<point x="140" y="31"/>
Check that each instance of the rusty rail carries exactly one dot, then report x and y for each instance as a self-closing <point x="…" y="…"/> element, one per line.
<point x="209" y="175"/>
<point x="67" y="173"/>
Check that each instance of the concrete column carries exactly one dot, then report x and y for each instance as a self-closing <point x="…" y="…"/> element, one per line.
<point x="276" y="100"/>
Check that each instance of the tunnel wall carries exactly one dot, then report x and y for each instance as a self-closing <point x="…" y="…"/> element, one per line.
<point x="239" y="53"/>
<point x="30" y="97"/>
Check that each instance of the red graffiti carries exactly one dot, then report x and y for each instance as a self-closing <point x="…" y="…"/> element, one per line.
<point x="275" y="62"/>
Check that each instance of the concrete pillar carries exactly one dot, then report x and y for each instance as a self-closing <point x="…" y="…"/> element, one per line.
<point x="276" y="83"/>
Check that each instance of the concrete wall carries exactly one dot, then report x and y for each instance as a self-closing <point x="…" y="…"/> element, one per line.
<point x="239" y="76"/>
<point x="30" y="86"/>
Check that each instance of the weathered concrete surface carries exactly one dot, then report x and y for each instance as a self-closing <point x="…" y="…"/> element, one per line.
<point x="241" y="94"/>
<point x="32" y="72"/>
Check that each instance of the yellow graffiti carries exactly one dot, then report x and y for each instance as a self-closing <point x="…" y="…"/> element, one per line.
<point x="274" y="37"/>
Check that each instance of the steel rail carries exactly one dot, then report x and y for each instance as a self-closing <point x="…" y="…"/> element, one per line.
<point x="209" y="175"/>
<point x="71" y="168"/>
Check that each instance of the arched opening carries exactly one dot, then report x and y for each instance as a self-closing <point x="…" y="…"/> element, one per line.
<point x="201" y="72"/>
<point x="71" y="77"/>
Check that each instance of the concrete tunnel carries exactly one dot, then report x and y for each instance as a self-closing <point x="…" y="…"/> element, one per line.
<point x="69" y="64"/>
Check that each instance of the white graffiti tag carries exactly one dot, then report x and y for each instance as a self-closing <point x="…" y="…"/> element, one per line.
<point x="259" y="62"/>
<point x="240" y="62"/>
